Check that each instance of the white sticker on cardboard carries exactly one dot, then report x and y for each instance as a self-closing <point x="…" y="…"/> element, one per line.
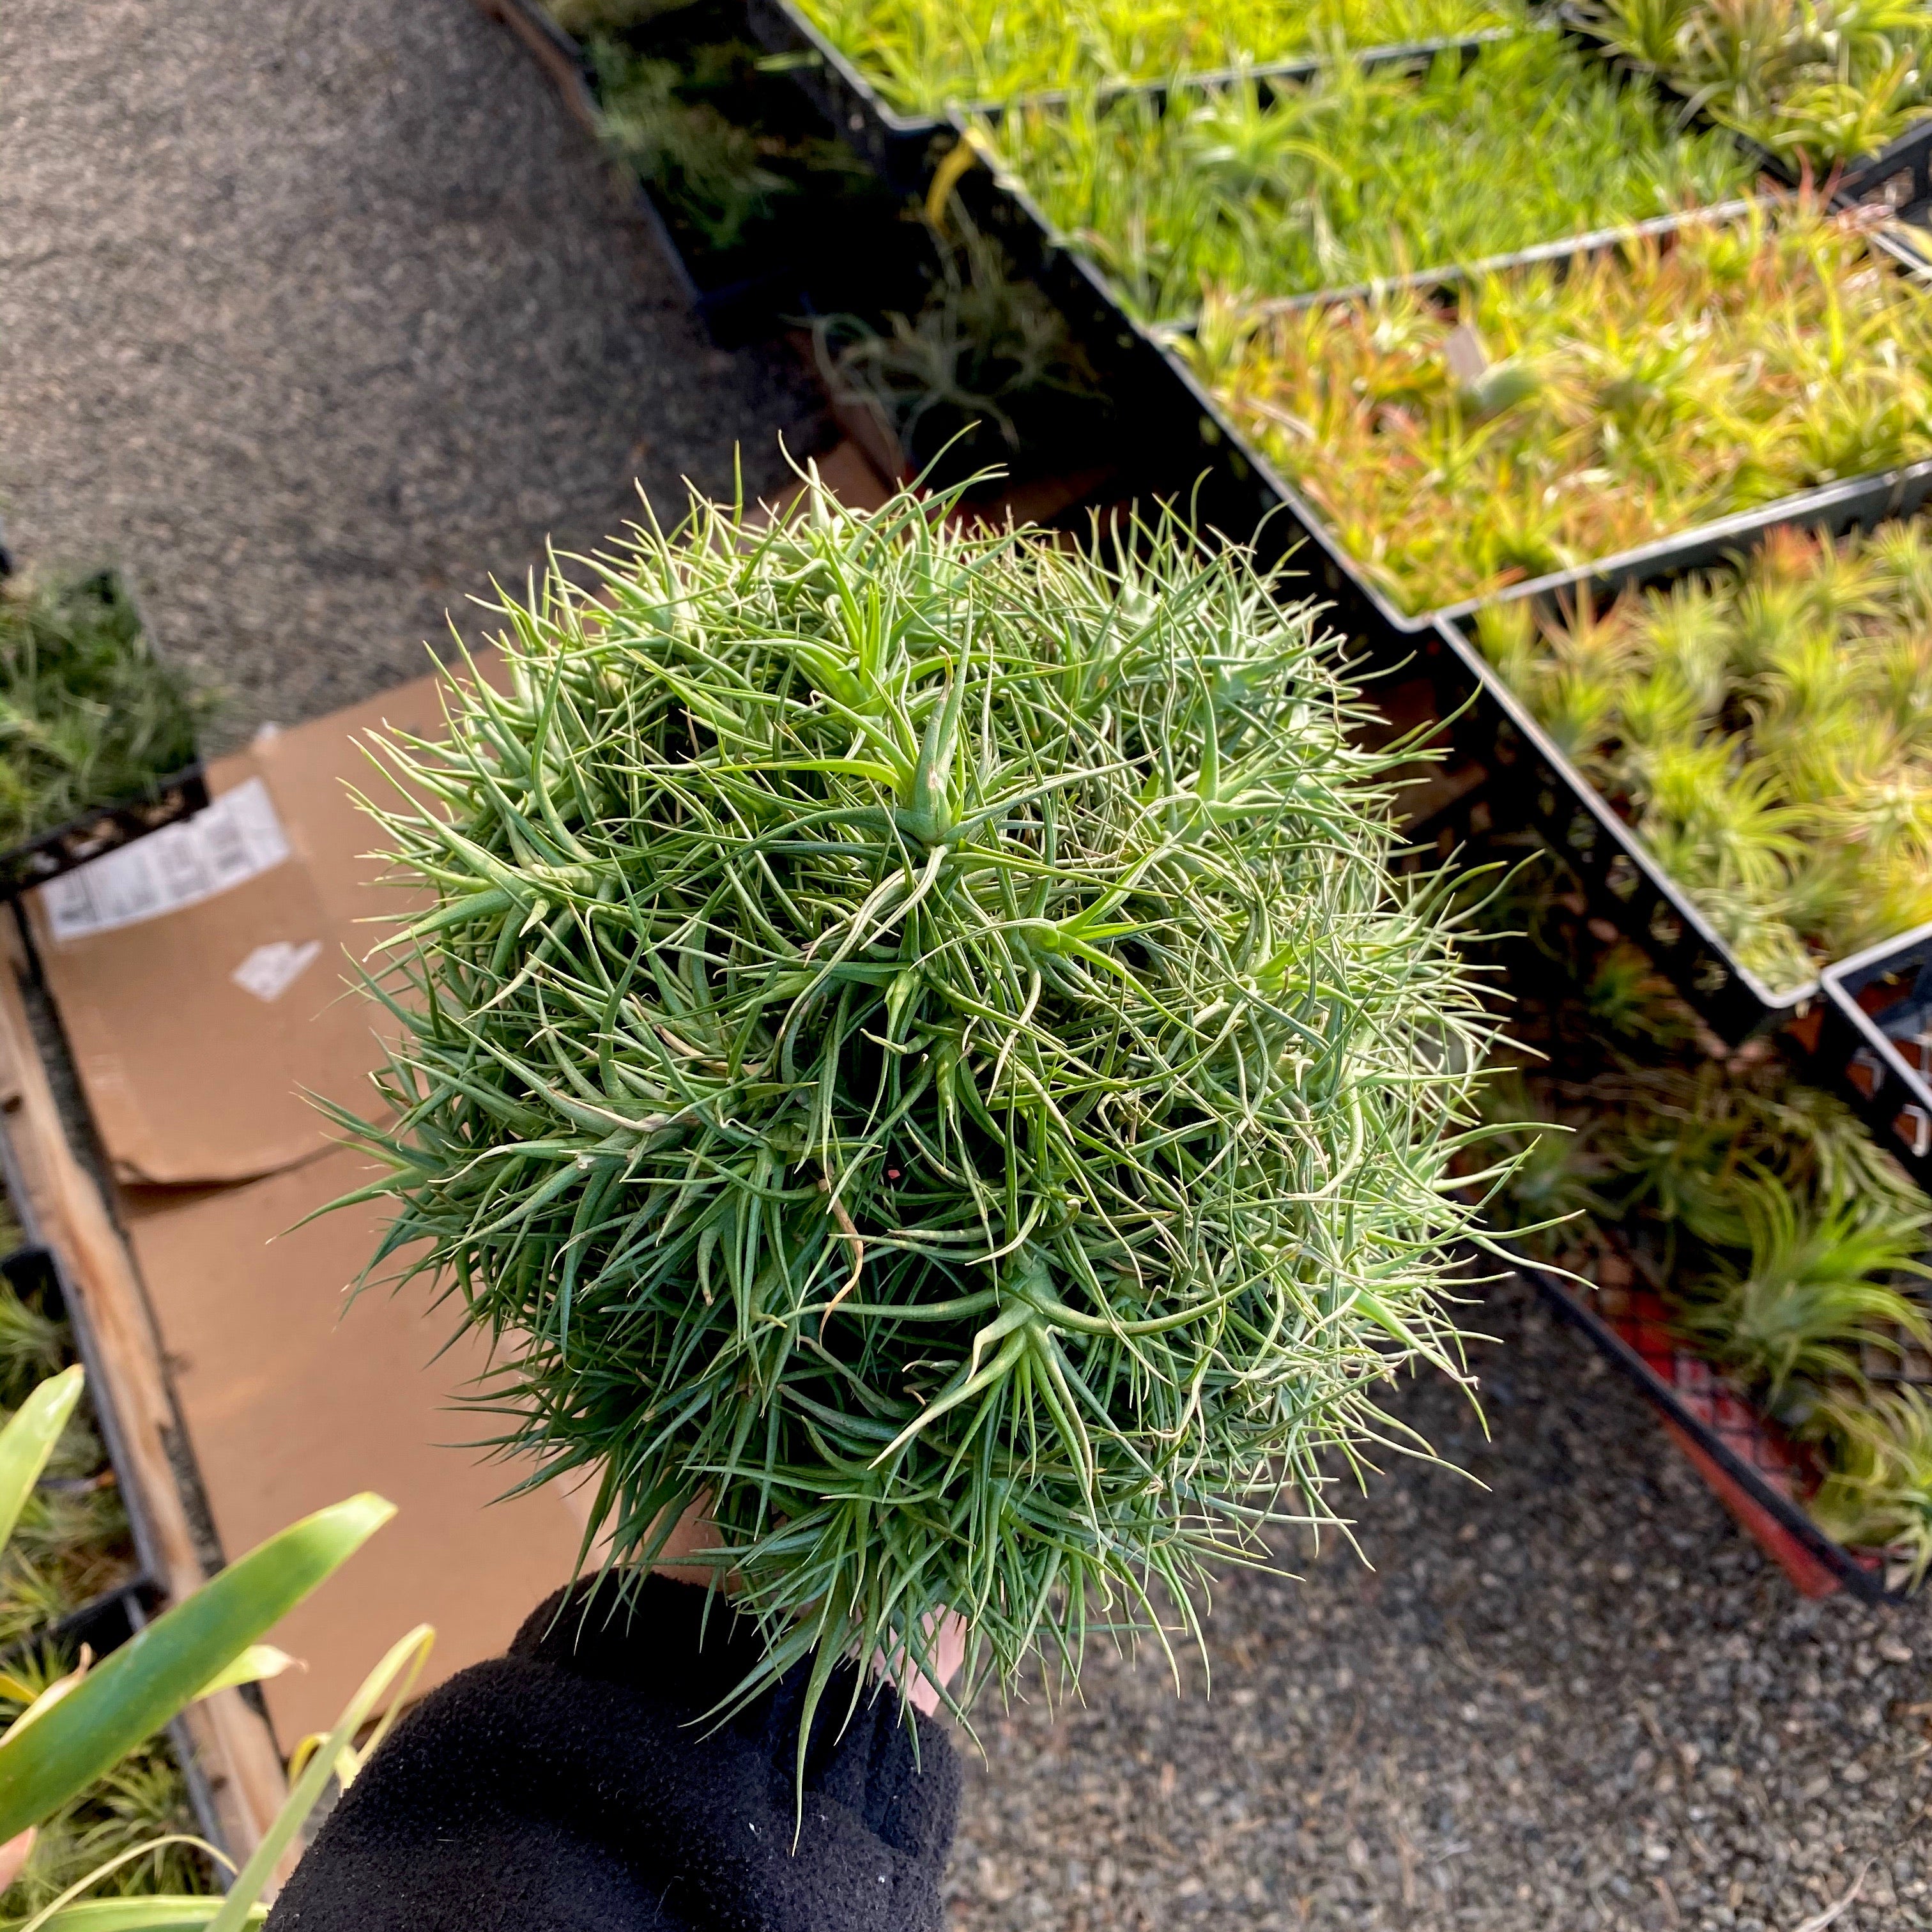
<point x="236" y="839"/>
<point x="270" y="970"/>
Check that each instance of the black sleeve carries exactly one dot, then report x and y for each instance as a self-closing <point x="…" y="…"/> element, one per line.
<point x="570" y="1787"/>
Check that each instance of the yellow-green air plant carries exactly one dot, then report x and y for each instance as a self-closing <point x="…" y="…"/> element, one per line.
<point x="1768" y="730"/>
<point x="1356" y="174"/>
<point x="925" y="55"/>
<point x="1819" y="82"/>
<point x="919" y="1043"/>
<point x="1653" y="386"/>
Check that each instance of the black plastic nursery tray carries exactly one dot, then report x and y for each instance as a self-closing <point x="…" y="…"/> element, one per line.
<point x="1742" y="1457"/>
<point x="1532" y="783"/>
<point x="1897" y="178"/>
<point x="817" y="257"/>
<point x="105" y="830"/>
<point x="905" y="148"/>
<point x="1877" y="1039"/>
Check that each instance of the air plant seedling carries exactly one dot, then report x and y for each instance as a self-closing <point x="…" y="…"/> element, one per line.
<point x="985" y="372"/>
<point x="1641" y="390"/>
<point x="1767" y="729"/>
<point x="1818" y="82"/>
<point x="89" y="716"/>
<point x="716" y="140"/>
<point x="1355" y="174"/>
<point x="925" y="55"/>
<point x="920" y="1044"/>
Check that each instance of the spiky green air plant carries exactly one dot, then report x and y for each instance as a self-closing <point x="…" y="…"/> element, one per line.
<point x="919" y="1043"/>
<point x="1817" y="1285"/>
<point x="1877" y="1492"/>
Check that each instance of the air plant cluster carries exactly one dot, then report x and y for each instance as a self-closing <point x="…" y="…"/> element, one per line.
<point x="1768" y="730"/>
<point x="142" y="1807"/>
<point x="726" y="148"/>
<point x="1790" y="1247"/>
<point x="1529" y="421"/>
<point x="985" y="374"/>
<point x="1821" y="82"/>
<point x="926" y="56"/>
<point x="920" y="1049"/>
<point x="71" y="1544"/>
<point x="1358" y="173"/>
<point x="89" y="716"/>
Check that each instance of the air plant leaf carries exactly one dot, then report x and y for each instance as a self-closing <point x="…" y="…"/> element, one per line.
<point x="985" y="1182"/>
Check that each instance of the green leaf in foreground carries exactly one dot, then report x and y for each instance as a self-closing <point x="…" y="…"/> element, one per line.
<point x="143" y="1684"/>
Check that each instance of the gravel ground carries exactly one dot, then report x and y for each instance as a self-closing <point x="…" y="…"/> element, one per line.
<point x="1573" y="1697"/>
<point x="317" y="314"/>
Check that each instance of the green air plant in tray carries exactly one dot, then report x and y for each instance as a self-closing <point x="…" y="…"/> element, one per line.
<point x="926" y="56"/>
<point x="71" y="1543"/>
<point x="921" y="1045"/>
<point x="1357" y="174"/>
<point x="1788" y="1248"/>
<point x="1455" y="440"/>
<point x="1821" y="82"/>
<point x="731" y="152"/>
<point x="89" y="716"/>
<point x="1768" y="730"/>
<point x="142" y="1807"/>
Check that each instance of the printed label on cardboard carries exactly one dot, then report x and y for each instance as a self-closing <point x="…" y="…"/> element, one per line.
<point x="270" y="970"/>
<point x="236" y="839"/>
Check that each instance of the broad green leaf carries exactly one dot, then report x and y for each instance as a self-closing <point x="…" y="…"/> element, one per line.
<point x="28" y="1440"/>
<point x="143" y="1685"/>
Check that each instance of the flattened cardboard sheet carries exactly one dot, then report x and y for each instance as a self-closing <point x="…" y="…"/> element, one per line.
<point x="198" y="1030"/>
<point x="293" y="1400"/>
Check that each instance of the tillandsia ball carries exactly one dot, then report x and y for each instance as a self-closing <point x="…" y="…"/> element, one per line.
<point x="919" y="1041"/>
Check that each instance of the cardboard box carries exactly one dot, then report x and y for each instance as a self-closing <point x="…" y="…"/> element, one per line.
<point x="295" y="1396"/>
<point x="205" y="975"/>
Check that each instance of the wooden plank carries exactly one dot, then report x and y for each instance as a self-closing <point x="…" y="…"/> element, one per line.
<point x="232" y="1744"/>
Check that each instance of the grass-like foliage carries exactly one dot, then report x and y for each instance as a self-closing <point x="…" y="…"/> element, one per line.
<point x="1357" y="174"/>
<point x="718" y="141"/>
<point x="1790" y="1247"/>
<point x="88" y="715"/>
<point x="1656" y="384"/>
<point x="144" y="1799"/>
<point x="1820" y="82"/>
<point x="1768" y="730"/>
<point x="919" y="1042"/>
<point x="926" y="55"/>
